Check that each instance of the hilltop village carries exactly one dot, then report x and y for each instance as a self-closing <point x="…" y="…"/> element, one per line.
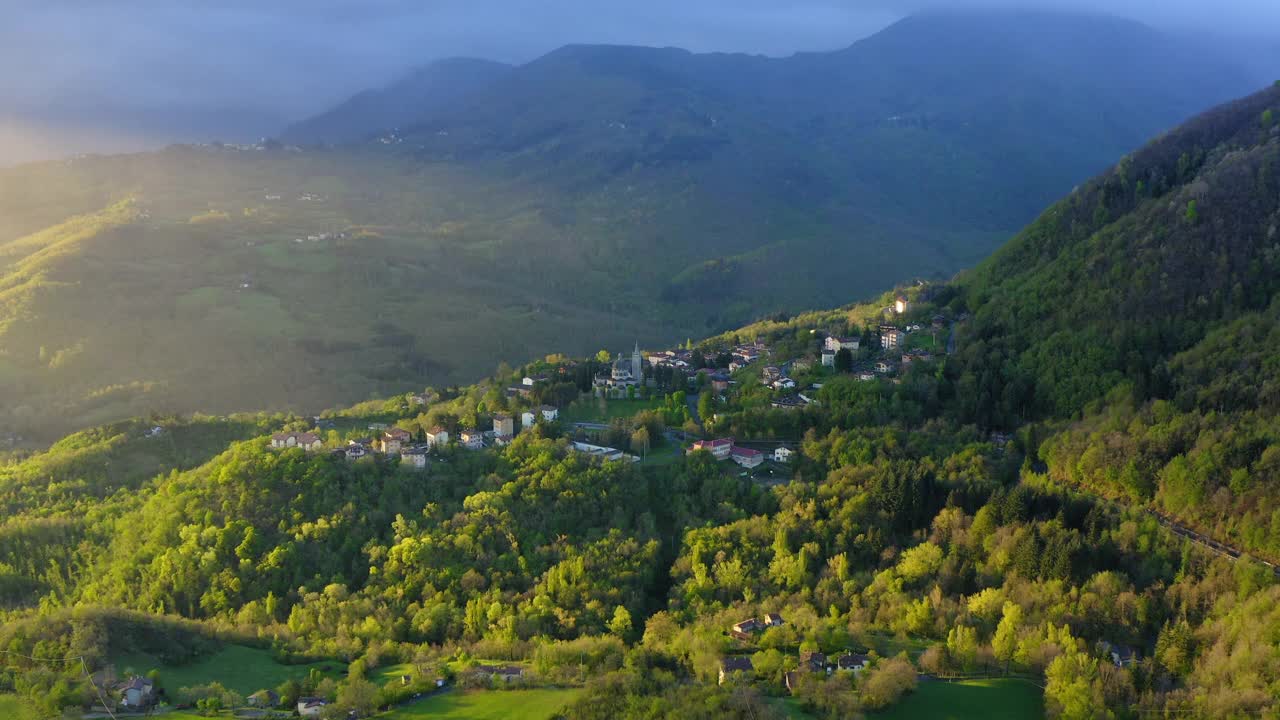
<point x="728" y="396"/>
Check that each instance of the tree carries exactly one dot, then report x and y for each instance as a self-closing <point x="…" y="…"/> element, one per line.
<point x="620" y="625"/>
<point x="1073" y="690"/>
<point x="705" y="408"/>
<point x="640" y="441"/>
<point x="359" y="696"/>
<point x="962" y="645"/>
<point x="1005" y="642"/>
<point x="844" y="361"/>
<point x="883" y="684"/>
<point x="1193" y="214"/>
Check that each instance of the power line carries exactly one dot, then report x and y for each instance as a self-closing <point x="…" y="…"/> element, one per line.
<point x="84" y="667"/>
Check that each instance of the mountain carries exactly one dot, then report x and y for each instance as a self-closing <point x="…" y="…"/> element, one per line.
<point x="431" y="88"/>
<point x="1064" y="469"/>
<point x="595" y="196"/>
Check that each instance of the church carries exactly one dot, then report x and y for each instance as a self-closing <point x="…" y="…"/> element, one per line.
<point x="624" y="373"/>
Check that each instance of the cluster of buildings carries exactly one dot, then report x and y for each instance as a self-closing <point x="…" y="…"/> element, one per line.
<point x="740" y="666"/>
<point x="398" y="441"/>
<point x="726" y="449"/>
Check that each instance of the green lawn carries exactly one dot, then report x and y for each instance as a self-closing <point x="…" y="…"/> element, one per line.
<point x="242" y="669"/>
<point x="790" y="707"/>
<point x="1001" y="699"/>
<point x="12" y="708"/>
<point x="602" y="411"/>
<point x="487" y="705"/>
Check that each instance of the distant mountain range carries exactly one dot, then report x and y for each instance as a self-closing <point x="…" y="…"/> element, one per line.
<point x="429" y="89"/>
<point x="476" y="213"/>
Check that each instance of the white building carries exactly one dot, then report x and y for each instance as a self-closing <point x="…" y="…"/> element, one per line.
<point x="783" y="454"/>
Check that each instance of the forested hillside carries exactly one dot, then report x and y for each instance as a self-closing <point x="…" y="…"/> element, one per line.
<point x="1005" y="493"/>
<point x="592" y="197"/>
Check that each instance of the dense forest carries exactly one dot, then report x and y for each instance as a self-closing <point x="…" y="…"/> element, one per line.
<point x="1005" y="509"/>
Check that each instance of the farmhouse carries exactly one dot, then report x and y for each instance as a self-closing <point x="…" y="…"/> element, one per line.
<point x="135" y="692"/>
<point x="311" y="706"/>
<point x="472" y="439"/>
<point x="437" y="437"/>
<point x="746" y="457"/>
<point x="836" y="344"/>
<point x="414" y="456"/>
<point x="305" y="440"/>
<point x="503" y="425"/>
<point x="783" y="454"/>
<point x="735" y="666"/>
<point x="813" y="661"/>
<point x="749" y="625"/>
<point x="393" y="440"/>
<point x="720" y="449"/>
<point x="852" y="662"/>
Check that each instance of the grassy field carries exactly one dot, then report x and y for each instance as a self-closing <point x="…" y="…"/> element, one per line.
<point x="242" y="669"/>
<point x="602" y="411"/>
<point x="11" y="708"/>
<point x="1001" y="699"/>
<point x="487" y="705"/>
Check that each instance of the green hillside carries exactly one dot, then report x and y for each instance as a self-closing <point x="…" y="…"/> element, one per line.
<point x="583" y="200"/>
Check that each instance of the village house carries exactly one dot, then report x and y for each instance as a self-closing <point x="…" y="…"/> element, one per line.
<point x="471" y="439"/>
<point x="305" y="440"/>
<point x="852" y="662"/>
<point x="719" y="449"/>
<point x="356" y="450"/>
<point x="548" y="412"/>
<point x="746" y="457"/>
<point x="813" y="661"/>
<point x="504" y="425"/>
<point x="1122" y="656"/>
<point x="531" y="380"/>
<point x="528" y="419"/>
<point x="866" y="376"/>
<point x="415" y="456"/>
<point x="901" y="304"/>
<point x="311" y="706"/>
<point x="884" y="367"/>
<point x="135" y="692"/>
<point x="264" y="699"/>
<point x="783" y="455"/>
<point x="394" y="439"/>
<point x="773" y="620"/>
<point x="719" y="382"/>
<point x="749" y="625"/>
<point x="520" y="390"/>
<point x="602" y="452"/>
<point x="437" y="437"/>
<point x="829" y="358"/>
<point x="891" y="338"/>
<point x="732" y="667"/>
<point x="770" y="374"/>
<point x="784" y="383"/>
<point x="836" y="344"/>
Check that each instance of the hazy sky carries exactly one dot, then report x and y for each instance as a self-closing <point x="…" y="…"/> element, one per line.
<point x="86" y="64"/>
